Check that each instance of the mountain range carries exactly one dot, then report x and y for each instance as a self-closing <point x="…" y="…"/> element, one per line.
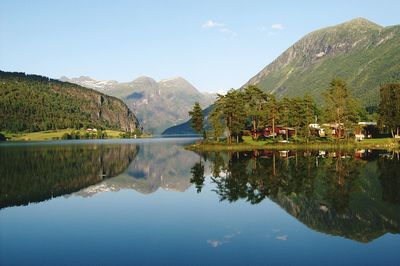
<point x="359" y="51"/>
<point x="364" y="54"/>
<point x="158" y="105"/>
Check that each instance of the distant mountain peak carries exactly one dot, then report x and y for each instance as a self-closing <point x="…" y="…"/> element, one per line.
<point x="143" y="81"/>
<point x="178" y="84"/>
<point x="356" y="24"/>
<point x="144" y="78"/>
<point x="360" y="21"/>
<point x="177" y="78"/>
<point x="85" y="77"/>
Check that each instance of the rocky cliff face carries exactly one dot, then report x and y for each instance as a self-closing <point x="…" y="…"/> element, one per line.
<point x="115" y="111"/>
<point x="359" y="51"/>
<point x="105" y="108"/>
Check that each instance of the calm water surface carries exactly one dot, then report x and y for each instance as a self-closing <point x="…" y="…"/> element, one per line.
<point x="149" y="202"/>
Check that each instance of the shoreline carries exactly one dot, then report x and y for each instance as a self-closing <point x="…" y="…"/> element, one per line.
<point x="55" y="135"/>
<point x="386" y="144"/>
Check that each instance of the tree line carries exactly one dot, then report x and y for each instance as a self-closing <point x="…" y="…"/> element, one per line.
<point x="252" y="109"/>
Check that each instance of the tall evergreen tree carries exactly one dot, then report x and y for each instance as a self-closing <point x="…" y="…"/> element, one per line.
<point x="230" y="109"/>
<point x="309" y="112"/>
<point x="272" y="112"/>
<point x="255" y="105"/>
<point x="286" y="113"/>
<point x="197" y="118"/>
<point x="389" y="107"/>
<point x="341" y="108"/>
<point x="198" y="177"/>
<point x="215" y="120"/>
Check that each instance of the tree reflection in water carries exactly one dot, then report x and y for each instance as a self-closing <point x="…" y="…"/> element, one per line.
<point x="37" y="173"/>
<point x="353" y="194"/>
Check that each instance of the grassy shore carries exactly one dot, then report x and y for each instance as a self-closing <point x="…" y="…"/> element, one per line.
<point x="249" y="144"/>
<point x="56" y="134"/>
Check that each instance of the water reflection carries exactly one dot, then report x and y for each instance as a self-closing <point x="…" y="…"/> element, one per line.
<point x="37" y="173"/>
<point x="40" y="172"/>
<point x="351" y="194"/>
<point x="355" y="195"/>
<point x="163" y="165"/>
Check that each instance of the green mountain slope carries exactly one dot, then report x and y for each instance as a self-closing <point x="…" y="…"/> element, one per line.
<point x="35" y="103"/>
<point x="363" y="53"/>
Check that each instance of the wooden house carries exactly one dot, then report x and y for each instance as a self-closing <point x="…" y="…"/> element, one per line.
<point x="327" y="129"/>
<point x="366" y="130"/>
<point x="270" y="132"/>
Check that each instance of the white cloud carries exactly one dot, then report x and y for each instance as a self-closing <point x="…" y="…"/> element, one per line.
<point x="216" y="243"/>
<point x="282" y="238"/>
<point x="210" y="24"/>
<point x="273" y="32"/>
<point x="225" y="240"/>
<point x="277" y="26"/>
<point x="229" y="32"/>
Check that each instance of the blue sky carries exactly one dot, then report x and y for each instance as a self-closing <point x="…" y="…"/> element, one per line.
<point x="216" y="45"/>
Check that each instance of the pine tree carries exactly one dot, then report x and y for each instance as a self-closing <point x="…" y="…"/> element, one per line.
<point x="309" y="112"/>
<point x="341" y="108"/>
<point x="286" y="113"/>
<point x="198" y="177"/>
<point x="197" y="118"/>
<point x="216" y="123"/>
<point x="272" y="112"/>
<point x="255" y="105"/>
<point x="389" y="107"/>
<point x="230" y="108"/>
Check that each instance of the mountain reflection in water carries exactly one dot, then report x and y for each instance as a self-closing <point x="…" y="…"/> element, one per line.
<point x="165" y="166"/>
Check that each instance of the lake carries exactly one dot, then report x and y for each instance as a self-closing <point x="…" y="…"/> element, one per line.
<point x="151" y="202"/>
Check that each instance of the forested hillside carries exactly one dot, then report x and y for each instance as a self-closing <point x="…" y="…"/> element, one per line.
<point x="34" y="103"/>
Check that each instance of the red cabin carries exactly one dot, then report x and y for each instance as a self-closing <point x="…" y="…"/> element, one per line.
<point x="268" y="132"/>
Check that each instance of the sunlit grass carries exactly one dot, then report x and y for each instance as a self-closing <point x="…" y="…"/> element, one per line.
<point x="250" y="144"/>
<point x="54" y="134"/>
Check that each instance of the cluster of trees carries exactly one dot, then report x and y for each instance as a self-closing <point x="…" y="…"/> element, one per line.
<point x="128" y="135"/>
<point x="253" y="109"/>
<point x="87" y="135"/>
